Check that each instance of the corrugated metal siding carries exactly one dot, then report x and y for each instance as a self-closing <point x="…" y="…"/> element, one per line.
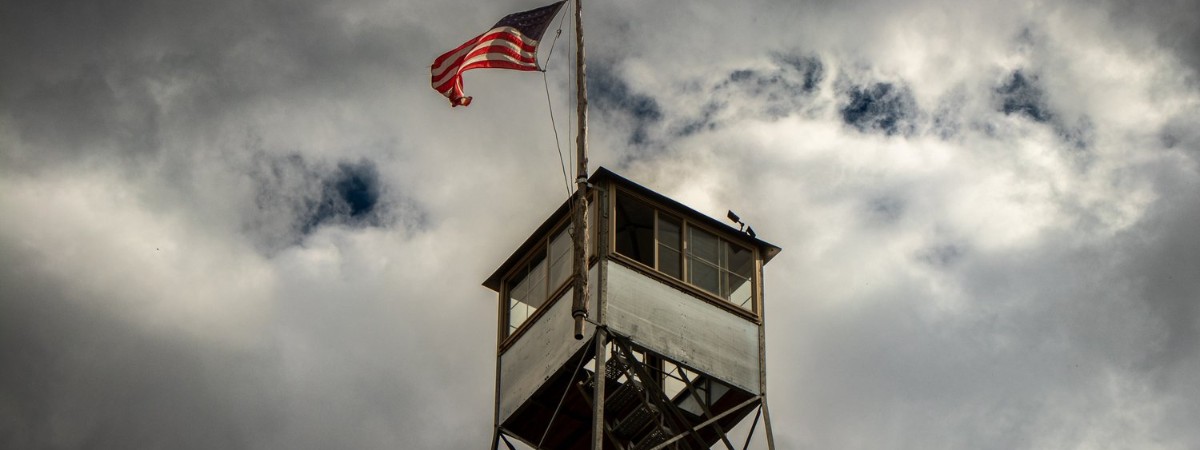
<point x="684" y="328"/>
<point x="541" y="351"/>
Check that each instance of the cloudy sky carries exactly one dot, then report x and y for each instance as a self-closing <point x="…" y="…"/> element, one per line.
<point x="252" y="224"/>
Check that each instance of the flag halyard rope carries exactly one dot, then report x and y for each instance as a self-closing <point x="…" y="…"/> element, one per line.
<point x="550" y="104"/>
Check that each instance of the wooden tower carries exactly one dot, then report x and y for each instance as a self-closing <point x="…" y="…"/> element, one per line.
<point x="674" y="343"/>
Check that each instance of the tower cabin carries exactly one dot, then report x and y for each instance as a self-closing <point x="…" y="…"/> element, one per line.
<point x="678" y="299"/>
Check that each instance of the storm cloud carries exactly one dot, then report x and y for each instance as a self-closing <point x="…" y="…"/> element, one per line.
<point x="254" y="225"/>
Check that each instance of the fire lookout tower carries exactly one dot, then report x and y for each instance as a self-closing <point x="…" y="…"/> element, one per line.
<point x="674" y="346"/>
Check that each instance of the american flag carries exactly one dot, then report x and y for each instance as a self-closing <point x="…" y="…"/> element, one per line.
<point x="510" y="44"/>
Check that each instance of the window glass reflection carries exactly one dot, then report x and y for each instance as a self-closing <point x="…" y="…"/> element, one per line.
<point x="681" y="250"/>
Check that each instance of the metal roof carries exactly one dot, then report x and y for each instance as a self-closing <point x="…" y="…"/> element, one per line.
<point x="602" y="174"/>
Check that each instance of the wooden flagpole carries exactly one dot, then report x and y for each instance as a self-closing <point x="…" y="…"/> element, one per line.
<point x="579" y="306"/>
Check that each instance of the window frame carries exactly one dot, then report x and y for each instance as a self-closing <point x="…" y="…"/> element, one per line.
<point x="684" y="281"/>
<point x="553" y="293"/>
<point x="543" y="250"/>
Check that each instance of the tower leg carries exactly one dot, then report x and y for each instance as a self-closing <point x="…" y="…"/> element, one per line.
<point x="750" y="434"/>
<point x="767" y="425"/>
<point x="598" y="389"/>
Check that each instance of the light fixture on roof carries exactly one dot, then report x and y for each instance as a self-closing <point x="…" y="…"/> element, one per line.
<point x="741" y="225"/>
<point x="737" y="220"/>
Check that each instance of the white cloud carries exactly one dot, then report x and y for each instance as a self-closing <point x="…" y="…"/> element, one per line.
<point x="958" y="271"/>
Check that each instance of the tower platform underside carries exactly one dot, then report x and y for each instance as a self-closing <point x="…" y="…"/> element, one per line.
<point x="650" y="402"/>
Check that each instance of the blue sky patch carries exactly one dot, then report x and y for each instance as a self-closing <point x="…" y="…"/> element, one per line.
<point x="881" y="107"/>
<point x="1022" y="95"/>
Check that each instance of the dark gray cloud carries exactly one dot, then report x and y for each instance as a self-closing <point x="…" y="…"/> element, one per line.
<point x="1174" y="23"/>
<point x="253" y="225"/>
<point x="172" y="336"/>
<point x="1023" y="96"/>
<point x="88" y="80"/>
<point x="784" y="87"/>
<point x="85" y="377"/>
<point x="1163" y="256"/>
<point x="612" y="95"/>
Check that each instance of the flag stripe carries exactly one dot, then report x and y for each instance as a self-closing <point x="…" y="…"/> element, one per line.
<point x="507" y="33"/>
<point x="499" y="47"/>
<point x="446" y="85"/>
<point x="527" y="61"/>
<point x="510" y="44"/>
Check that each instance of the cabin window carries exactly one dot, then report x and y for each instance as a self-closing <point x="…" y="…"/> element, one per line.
<point x="544" y="273"/>
<point x="703" y="268"/>
<point x="670" y="246"/>
<point x="527" y="290"/>
<point x="737" y="269"/>
<point x="635" y="229"/>
<point x="683" y="251"/>
<point x="546" y="270"/>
